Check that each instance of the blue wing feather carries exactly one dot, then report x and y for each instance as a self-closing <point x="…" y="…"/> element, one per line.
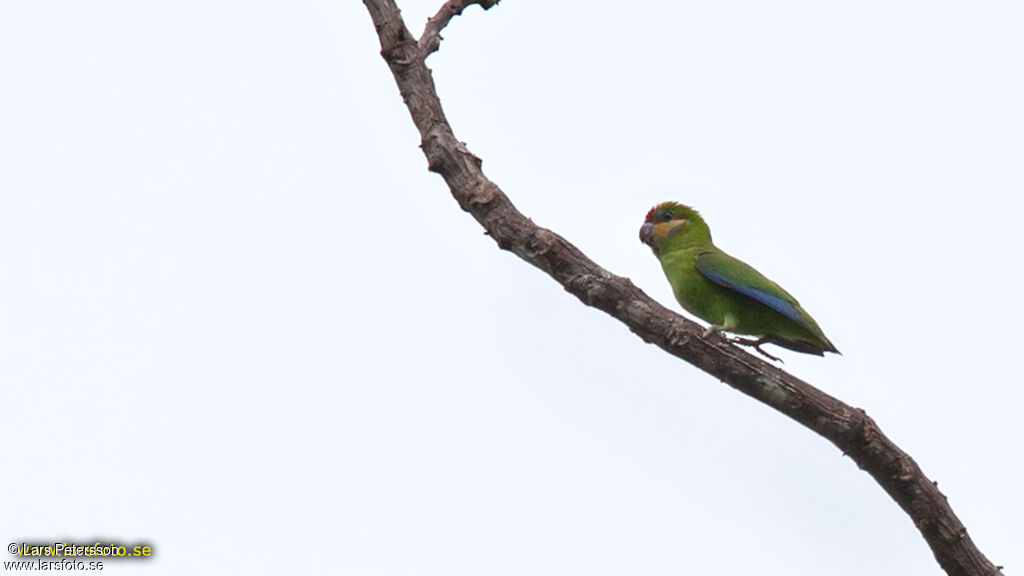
<point x="781" y="301"/>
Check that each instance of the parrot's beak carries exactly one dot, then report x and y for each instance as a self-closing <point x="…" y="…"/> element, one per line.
<point x="647" y="233"/>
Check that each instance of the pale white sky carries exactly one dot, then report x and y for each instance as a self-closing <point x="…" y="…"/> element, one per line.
<point x="241" y="322"/>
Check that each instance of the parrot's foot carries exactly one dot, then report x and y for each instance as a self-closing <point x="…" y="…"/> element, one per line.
<point x="755" y="343"/>
<point x="711" y="330"/>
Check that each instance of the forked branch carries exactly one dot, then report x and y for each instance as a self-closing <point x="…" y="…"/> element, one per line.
<point x="850" y="429"/>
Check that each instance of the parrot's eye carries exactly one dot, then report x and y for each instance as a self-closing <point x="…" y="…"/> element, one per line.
<point x="665" y="216"/>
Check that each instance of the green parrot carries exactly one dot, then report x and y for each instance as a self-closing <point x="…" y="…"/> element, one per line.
<point x="724" y="291"/>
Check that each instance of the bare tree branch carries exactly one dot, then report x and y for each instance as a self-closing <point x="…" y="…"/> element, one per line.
<point x="430" y="40"/>
<point x="850" y="429"/>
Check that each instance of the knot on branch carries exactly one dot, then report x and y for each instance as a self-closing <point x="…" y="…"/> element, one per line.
<point x="446" y="156"/>
<point x="862" y="431"/>
<point x="398" y="47"/>
<point x="433" y="145"/>
<point x="538" y="244"/>
<point x="464" y="150"/>
<point x="677" y="335"/>
<point x="483" y="193"/>
<point x="396" y="56"/>
<point x="868" y="428"/>
<point x="586" y="287"/>
<point x="531" y="245"/>
<point x="906" y="470"/>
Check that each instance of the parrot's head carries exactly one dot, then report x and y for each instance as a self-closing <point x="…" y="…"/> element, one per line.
<point x="672" y="226"/>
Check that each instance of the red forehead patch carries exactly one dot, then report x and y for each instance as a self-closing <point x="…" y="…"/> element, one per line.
<point x="650" y="214"/>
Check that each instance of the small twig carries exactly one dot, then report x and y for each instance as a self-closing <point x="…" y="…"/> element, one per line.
<point x="430" y="40"/>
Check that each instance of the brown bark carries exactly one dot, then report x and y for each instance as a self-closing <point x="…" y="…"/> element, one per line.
<point x="850" y="429"/>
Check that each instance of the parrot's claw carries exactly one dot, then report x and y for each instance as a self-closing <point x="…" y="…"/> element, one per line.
<point x="767" y="355"/>
<point x="755" y="343"/>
